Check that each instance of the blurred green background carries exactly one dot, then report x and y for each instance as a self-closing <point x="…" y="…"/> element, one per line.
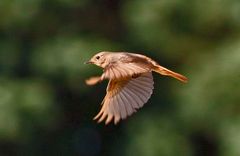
<point x="46" y="108"/>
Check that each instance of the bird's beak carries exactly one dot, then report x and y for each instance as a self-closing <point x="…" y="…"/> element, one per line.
<point x="88" y="62"/>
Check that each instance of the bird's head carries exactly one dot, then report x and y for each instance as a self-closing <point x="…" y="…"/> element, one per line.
<point x="99" y="59"/>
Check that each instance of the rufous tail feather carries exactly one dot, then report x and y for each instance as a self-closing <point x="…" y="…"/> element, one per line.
<point x="164" y="71"/>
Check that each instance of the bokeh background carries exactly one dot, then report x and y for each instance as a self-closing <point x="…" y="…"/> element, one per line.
<point x="46" y="108"/>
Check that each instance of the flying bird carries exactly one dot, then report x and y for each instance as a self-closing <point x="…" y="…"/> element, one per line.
<point x="130" y="83"/>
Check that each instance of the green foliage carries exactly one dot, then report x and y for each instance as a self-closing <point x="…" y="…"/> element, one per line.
<point x="10" y="56"/>
<point x="156" y="135"/>
<point x="24" y="103"/>
<point x="212" y="98"/>
<point x="69" y="51"/>
<point x="179" y="27"/>
<point x="15" y="13"/>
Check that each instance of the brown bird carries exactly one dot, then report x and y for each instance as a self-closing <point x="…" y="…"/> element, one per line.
<point x="130" y="82"/>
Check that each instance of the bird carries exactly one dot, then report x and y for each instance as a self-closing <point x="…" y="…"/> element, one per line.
<point x="130" y="83"/>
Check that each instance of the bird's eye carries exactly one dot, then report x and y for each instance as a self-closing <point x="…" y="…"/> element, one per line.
<point x="97" y="57"/>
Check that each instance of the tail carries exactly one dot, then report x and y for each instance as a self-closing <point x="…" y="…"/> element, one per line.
<point x="164" y="71"/>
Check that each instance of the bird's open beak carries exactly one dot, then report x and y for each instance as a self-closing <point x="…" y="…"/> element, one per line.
<point x="88" y="62"/>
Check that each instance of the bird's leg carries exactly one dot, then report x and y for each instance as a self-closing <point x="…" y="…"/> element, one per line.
<point x="94" y="80"/>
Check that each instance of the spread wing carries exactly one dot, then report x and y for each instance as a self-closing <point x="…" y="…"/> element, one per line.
<point x="124" y="97"/>
<point x="128" y="65"/>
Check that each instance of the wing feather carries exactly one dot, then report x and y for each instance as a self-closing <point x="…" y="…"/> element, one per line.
<point x="117" y="113"/>
<point x="138" y="93"/>
<point x="127" y="104"/>
<point x="130" y="99"/>
<point x="135" y="96"/>
<point x="123" y="107"/>
<point x="124" y="97"/>
<point x="127" y="68"/>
